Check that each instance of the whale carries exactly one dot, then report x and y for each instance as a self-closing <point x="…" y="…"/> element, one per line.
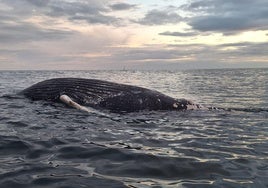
<point x="86" y="94"/>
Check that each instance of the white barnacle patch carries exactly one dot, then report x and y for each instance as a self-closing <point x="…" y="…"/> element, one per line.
<point x="175" y="105"/>
<point x="140" y="101"/>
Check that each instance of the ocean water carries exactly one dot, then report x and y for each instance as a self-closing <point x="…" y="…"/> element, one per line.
<point x="45" y="144"/>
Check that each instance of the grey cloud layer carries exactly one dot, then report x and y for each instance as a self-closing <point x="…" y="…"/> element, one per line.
<point x="160" y="17"/>
<point x="193" y="56"/>
<point x="196" y="52"/>
<point x="122" y="6"/>
<point x="228" y="16"/>
<point x="179" y="34"/>
<point x="25" y="32"/>
<point x="93" y="11"/>
<point x="15" y="29"/>
<point x="90" y="11"/>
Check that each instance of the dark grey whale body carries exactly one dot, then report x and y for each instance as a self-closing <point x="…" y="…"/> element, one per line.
<point x="100" y="94"/>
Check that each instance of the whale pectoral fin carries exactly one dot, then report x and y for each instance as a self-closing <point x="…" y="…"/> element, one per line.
<point x="67" y="100"/>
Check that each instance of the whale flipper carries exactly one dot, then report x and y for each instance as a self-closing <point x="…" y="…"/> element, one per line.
<point x="67" y="100"/>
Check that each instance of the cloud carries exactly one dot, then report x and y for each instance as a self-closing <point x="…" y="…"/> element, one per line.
<point x="239" y="52"/>
<point x="160" y="17"/>
<point x="20" y="29"/>
<point x="93" y="11"/>
<point x="253" y="50"/>
<point x="147" y="54"/>
<point x="26" y="32"/>
<point x="179" y="34"/>
<point x="122" y="6"/>
<point x="156" y="57"/>
<point x="228" y="16"/>
<point x="226" y="24"/>
<point x="39" y="2"/>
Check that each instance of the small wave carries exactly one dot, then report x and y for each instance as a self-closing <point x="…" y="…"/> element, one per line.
<point x="13" y="146"/>
<point x="242" y="109"/>
<point x="254" y="110"/>
<point x="12" y="96"/>
<point x="125" y="162"/>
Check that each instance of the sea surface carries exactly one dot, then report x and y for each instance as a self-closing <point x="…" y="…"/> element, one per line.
<point x="49" y="145"/>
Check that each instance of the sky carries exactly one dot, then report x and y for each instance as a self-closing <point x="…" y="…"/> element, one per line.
<point x="133" y="34"/>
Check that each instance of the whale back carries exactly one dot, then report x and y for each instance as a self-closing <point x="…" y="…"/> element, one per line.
<point x="80" y="89"/>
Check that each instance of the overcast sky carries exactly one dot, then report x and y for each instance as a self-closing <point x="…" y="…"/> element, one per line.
<point x="133" y="34"/>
